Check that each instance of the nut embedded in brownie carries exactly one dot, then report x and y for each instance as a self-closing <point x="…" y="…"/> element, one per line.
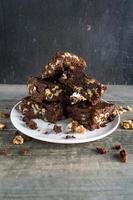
<point x="62" y="61"/>
<point x="81" y="87"/>
<point x="48" y="111"/>
<point x="92" y="117"/>
<point x="41" y="90"/>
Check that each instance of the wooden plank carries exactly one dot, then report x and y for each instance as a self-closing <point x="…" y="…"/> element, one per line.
<point x="53" y="171"/>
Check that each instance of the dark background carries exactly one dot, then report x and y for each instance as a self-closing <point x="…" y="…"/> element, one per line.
<point x="101" y="31"/>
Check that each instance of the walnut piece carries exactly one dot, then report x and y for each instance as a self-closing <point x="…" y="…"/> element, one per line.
<point x="76" y="97"/>
<point x="127" y="124"/>
<point x="2" y="126"/>
<point x="74" y="126"/>
<point x="122" y="109"/>
<point x="18" y="139"/>
<point x="4" y="115"/>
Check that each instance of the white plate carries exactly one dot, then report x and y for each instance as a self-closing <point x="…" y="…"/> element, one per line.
<point x="39" y="134"/>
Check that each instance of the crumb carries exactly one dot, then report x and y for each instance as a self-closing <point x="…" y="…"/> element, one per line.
<point x="31" y="124"/>
<point x="24" y="151"/>
<point x="4" y="115"/>
<point x="4" y="151"/>
<point x="46" y="132"/>
<point x="117" y="147"/>
<point x="57" y="129"/>
<point x="18" y="139"/>
<point x="26" y="119"/>
<point x="123" y="155"/>
<point x="70" y="137"/>
<point x="101" y="150"/>
<point x="2" y="126"/>
<point x="104" y="125"/>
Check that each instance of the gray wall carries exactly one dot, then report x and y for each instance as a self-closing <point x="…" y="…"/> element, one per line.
<point x="101" y="31"/>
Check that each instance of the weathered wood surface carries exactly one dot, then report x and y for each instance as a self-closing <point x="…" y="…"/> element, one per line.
<point x="62" y="172"/>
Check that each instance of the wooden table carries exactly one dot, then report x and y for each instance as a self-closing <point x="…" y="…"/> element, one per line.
<point x="54" y="171"/>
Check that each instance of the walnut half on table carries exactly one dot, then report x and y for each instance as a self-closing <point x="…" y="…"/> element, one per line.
<point x="127" y="124"/>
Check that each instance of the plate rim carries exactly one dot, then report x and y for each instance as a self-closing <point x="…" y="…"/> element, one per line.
<point x="63" y="140"/>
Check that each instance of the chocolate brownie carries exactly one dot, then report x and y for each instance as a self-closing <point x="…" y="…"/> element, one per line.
<point x="92" y="117"/>
<point x="48" y="111"/>
<point x="80" y="87"/>
<point x="62" y="61"/>
<point x="41" y="90"/>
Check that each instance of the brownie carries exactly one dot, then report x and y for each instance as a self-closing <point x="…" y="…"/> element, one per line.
<point x="80" y="87"/>
<point x="63" y="61"/>
<point x="48" y="111"/>
<point x="92" y="117"/>
<point x="41" y="90"/>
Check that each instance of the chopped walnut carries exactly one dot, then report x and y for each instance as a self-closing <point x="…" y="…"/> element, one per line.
<point x="2" y="126"/>
<point x="4" y="115"/>
<point x="18" y="139"/>
<point x="127" y="124"/>
<point x="74" y="126"/>
<point x="122" y="109"/>
<point x="76" y="97"/>
<point x="123" y="155"/>
<point x="101" y="150"/>
<point x="129" y="108"/>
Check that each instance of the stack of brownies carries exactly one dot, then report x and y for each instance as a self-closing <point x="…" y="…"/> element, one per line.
<point x="63" y="90"/>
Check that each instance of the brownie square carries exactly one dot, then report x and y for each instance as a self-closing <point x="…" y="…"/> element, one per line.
<point x="41" y="90"/>
<point x="92" y="117"/>
<point x="48" y="111"/>
<point x="62" y="61"/>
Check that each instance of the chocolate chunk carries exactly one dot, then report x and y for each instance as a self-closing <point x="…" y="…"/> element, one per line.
<point x="46" y="132"/>
<point x="117" y="147"/>
<point x="101" y="150"/>
<point x="70" y="137"/>
<point x="123" y="155"/>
